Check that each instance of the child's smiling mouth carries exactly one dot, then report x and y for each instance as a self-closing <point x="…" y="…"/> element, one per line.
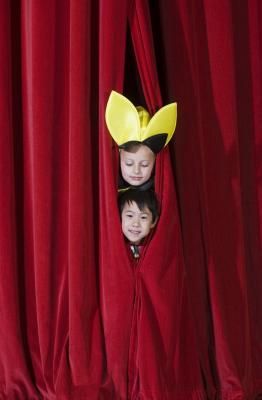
<point x="134" y="232"/>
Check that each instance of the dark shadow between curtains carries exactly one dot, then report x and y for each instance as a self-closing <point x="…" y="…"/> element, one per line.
<point x="132" y="83"/>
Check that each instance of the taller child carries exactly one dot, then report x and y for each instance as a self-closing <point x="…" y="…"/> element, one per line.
<point x="139" y="138"/>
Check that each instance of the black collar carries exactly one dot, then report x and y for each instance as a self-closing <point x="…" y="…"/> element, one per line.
<point x="123" y="185"/>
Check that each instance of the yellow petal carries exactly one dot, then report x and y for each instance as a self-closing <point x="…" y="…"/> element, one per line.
<point x="122" y="119"/>
<point x="163" y="121"/>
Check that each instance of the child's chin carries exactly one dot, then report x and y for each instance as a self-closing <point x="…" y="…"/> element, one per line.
<point x="136" y="243"/>
<point x="136" y="183"/>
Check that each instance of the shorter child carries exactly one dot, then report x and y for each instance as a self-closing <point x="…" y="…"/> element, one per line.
<point x="139" y="211"/>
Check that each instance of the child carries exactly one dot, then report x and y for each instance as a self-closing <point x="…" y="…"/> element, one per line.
<point x="139" y="137"/>
<point x="139" y="213"/>
<point x="137" y="163"/>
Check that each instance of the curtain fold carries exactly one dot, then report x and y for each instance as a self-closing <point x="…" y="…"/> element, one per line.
<point x="13" y="335"/>
<point x="85" y="327"/>
<point x="45" y="153"/>
<point x="77" y="322"/>
<point x="217" y="171"/>
<point x="167" y="359"/>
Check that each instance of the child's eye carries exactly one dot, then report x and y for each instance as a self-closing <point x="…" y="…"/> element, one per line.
<point x="129" y="215"/>
<point x="129" y="163"/>
<point x="144" y="217"/>
<point x="145" y="165"/>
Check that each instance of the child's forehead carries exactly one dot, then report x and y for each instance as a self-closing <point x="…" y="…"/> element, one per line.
<point x="133" y="206"/>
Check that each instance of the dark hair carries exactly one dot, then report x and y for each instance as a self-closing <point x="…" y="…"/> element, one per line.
<point x="132" y="146"/>
<point x="143" y="198"/>
<point x="155" y="143"/>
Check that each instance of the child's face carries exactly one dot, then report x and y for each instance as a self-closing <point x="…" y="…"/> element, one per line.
<point x="137" y="167"/>
<point x="136" y="223"/>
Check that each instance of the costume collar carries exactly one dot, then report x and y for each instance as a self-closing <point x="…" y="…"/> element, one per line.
<point x="123" y="185"/>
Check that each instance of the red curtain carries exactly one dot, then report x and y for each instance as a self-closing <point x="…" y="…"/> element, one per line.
<point x="76" y="321"/>
<point x="209" y="59"/>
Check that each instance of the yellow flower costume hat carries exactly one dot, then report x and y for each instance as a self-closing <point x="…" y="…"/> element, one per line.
<point x="129" y="124"/>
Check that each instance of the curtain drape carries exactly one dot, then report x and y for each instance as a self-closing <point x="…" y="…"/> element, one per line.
<point x="209" y="59"/>
<point x="77" y="322"/>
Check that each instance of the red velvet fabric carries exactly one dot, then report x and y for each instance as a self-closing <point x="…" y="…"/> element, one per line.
<point x="213" y="69"/>
<point x="78" y="321"/>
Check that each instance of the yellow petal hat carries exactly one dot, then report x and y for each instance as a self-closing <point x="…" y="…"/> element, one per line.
<point x="127" y="123"/>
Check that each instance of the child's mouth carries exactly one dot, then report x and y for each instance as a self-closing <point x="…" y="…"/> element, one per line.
<point x="134" y="232"/>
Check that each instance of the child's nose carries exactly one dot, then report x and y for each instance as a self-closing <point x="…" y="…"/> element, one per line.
<point x="136" y="169"/>
<point x="136" y="222"/>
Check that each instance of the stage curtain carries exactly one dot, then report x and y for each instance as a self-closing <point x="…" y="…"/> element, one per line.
<point x="209" y="60"/>
<point x="76" y="321"/>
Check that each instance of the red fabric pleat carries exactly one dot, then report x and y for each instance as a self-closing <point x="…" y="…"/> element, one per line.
<point x="45" y="140"/>
<point x="214" y="162"/>
<point x="116" y="275"/>
<point x="15" y="364"/>
<point x="163" y="312"/>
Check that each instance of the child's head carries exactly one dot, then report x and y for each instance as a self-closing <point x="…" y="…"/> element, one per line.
<point x="136" y="163"/>
<point x="139" y="135"/>
<point x="139" y="212"/>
